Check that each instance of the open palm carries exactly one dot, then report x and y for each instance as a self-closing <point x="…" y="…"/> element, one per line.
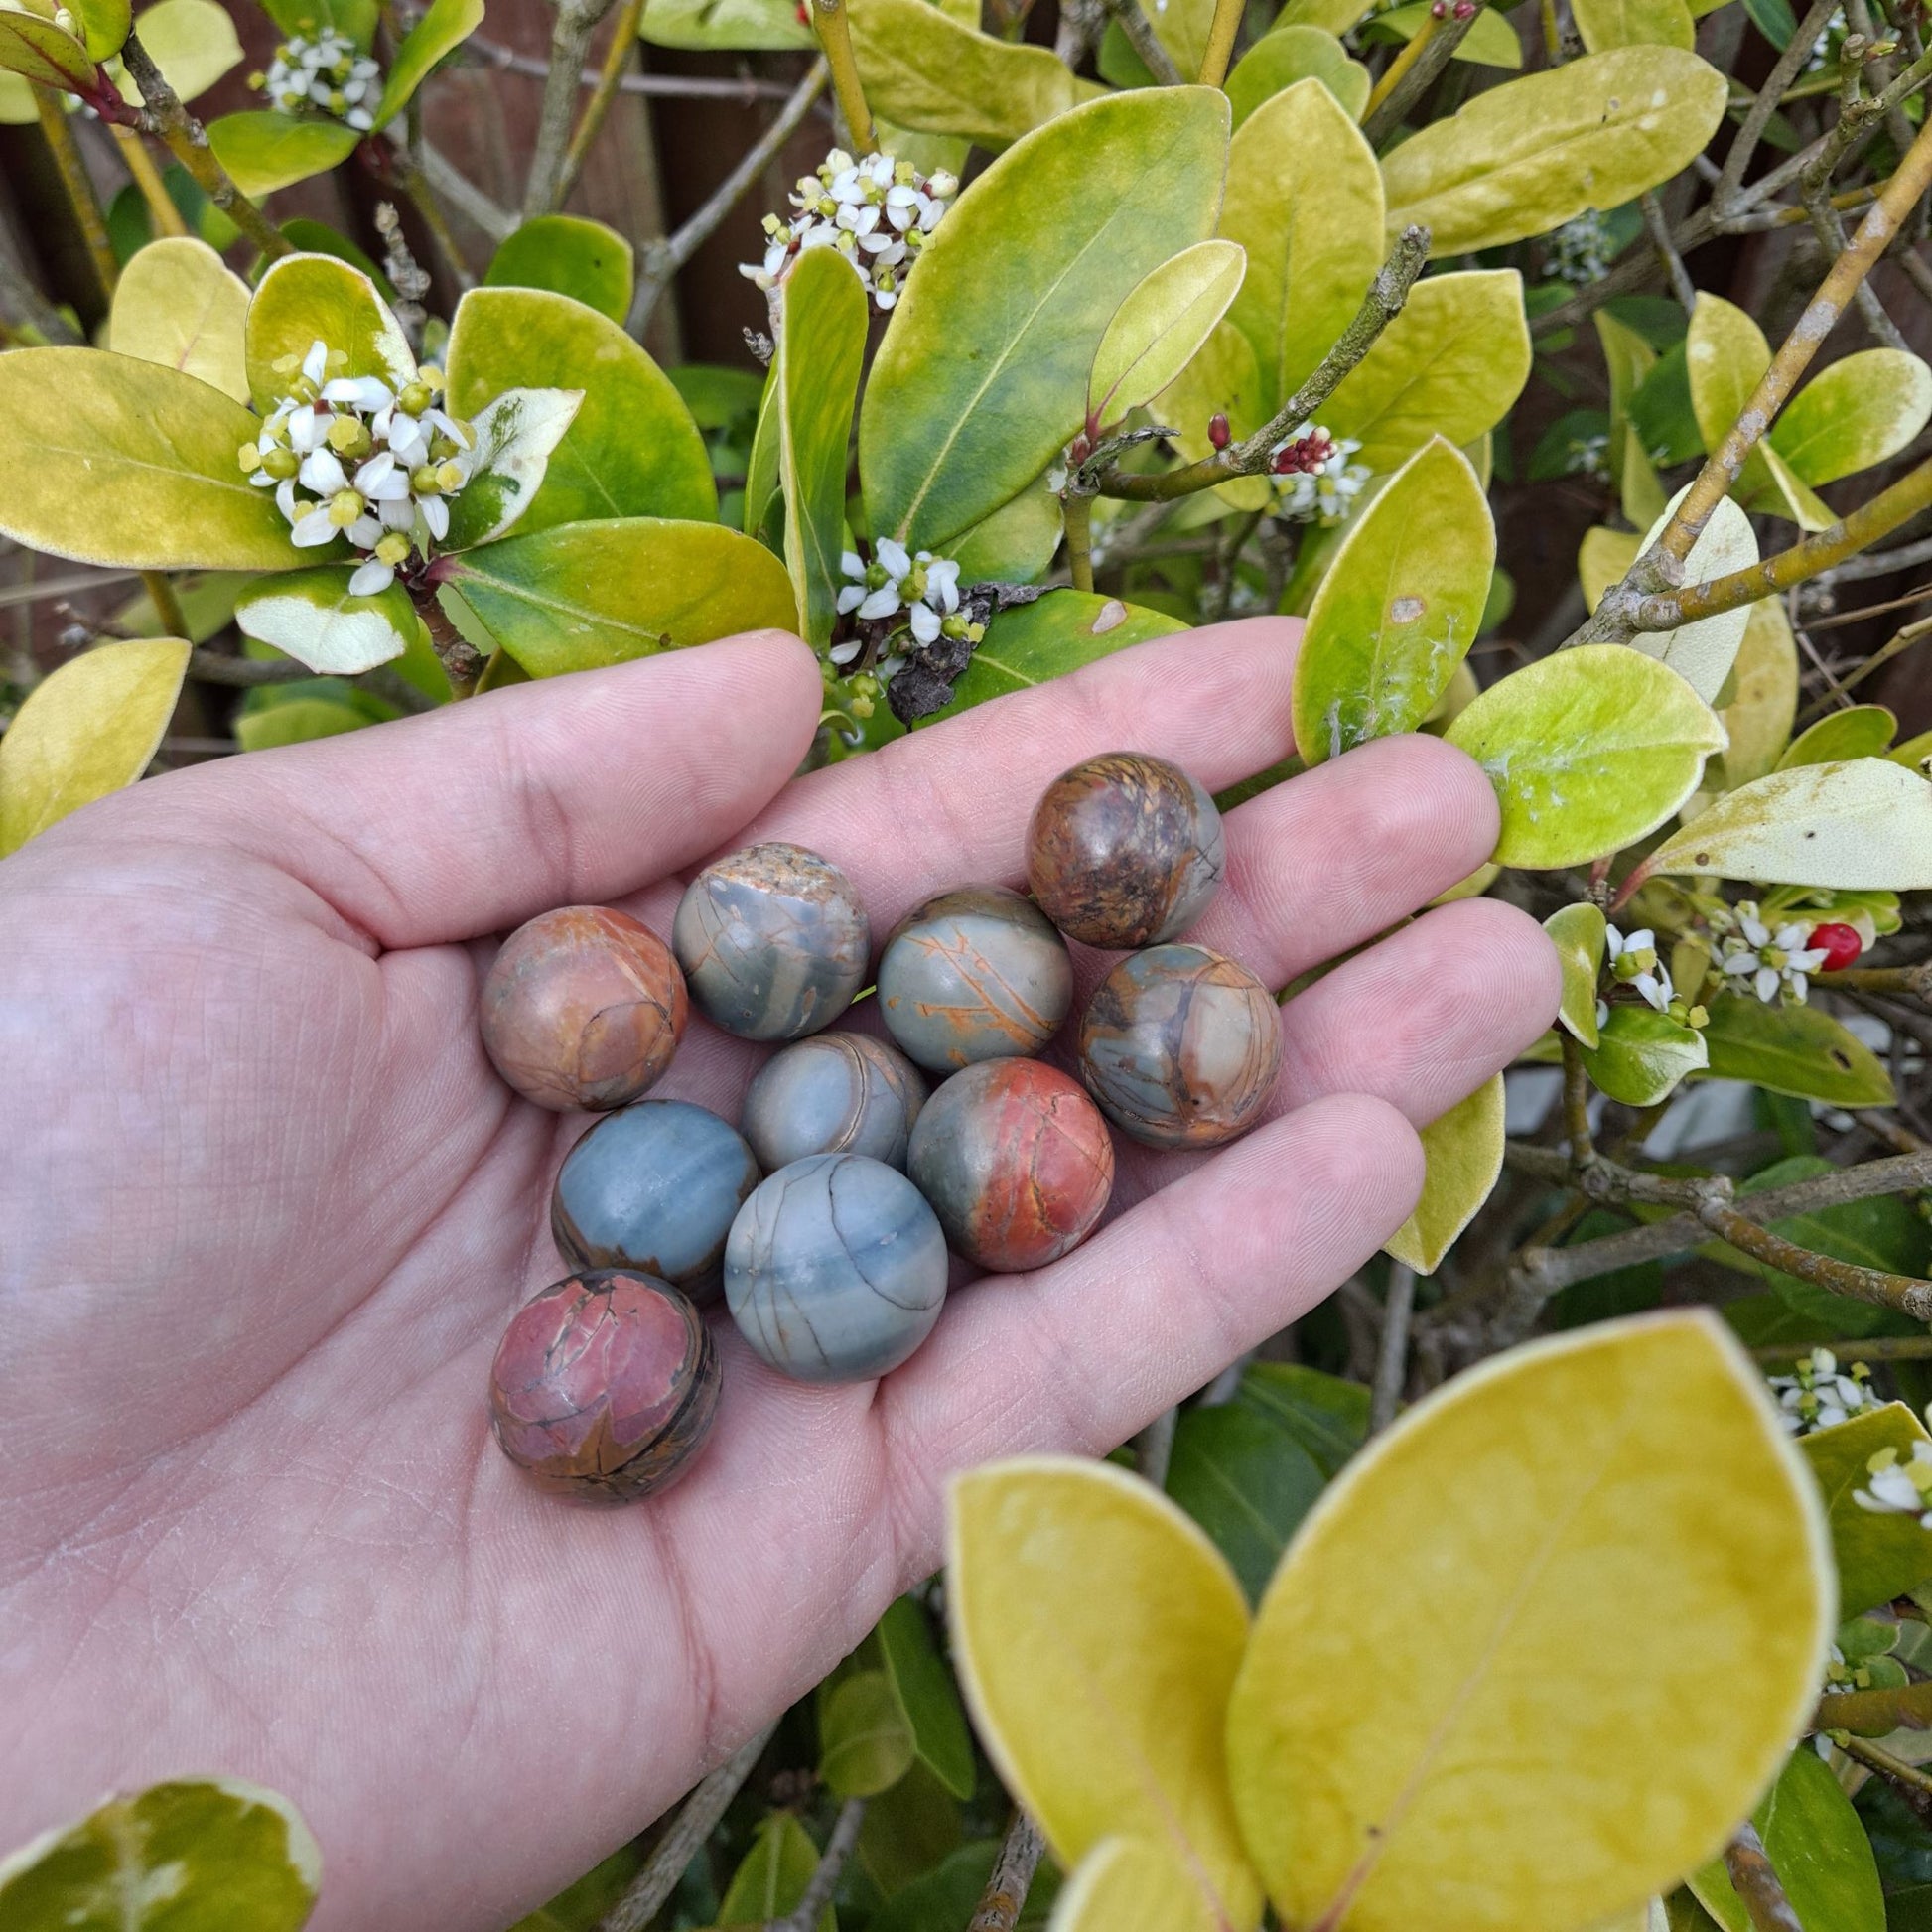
<point x="265" y="1210"/>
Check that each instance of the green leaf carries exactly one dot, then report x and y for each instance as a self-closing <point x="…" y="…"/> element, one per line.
<point x="38" y="50"/>
<point x="1159" y="328"/>
<point x="1016" y="543"/>
<point x="515" y="436"/>
<point x="1485" y="1626"/>
<point x="103" y="25"/>
<point x="444" y="27"/>
<point x="1293" y="53"/>
<point x="1880" y="1557"/>
<point x="1589" y="750"/>
<point x="1132" y="1884"/>
<point x="85" y="730"/>
<point x="735" y="25"/>
<point x="192" y="42"/>
<point x="1764" y="678"/>
<point x="1854" y="414"/>
<point x="263" y="150"/>
<point x="590" y="593"/>
<point x="1056" y="634"/>
<point x="274" y="715"/>
<point x="1633" y="22"/>
<point x="1794" y="1049"/>
<point x="1642" y="1055"/>
<point x="1627" y="360"/>
<point x="764" y="499"/>
<point x="1304" y="199"/>
<point x="924" y="1688"/>
<point x="179" y="305"/>
<point x="310" y="615"/>
<point x="1774" y="20"/>
<point x="1246" y="1481"/>
<point x="1224" y="377"/>
<point x="1578" y="933"/>
<point x="1098" y="1633"/>
<point x="305" y="299"/>
<point x="212" y="1855"/>
<point x="1325" y="1414"/>
<point x="1862" y="730"/>
<point x="1331" y="15"/>
<point x="945" y="1896"/>
<point x="865" y="1745"/>
<point x="1398" y="607"/>
<point x="770" y="1883"/>
<point x="1701" y="653"/>
<point x="1528" y="156"/>
<point x="1490" y="42"/>
<point x="1864" y="823"/>
<point x="1451" y="364"/>
<point x="971" y="397"/>
<point x="1463" y="1152"/>
<point x="354" y="19"/>
<point x="567" y="256"/>
<point x="821" y="346"/>
<point x="132" y="465"/>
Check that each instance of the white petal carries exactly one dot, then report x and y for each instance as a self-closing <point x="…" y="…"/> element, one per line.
<point x="942" y="584"/>
<point x="379" y="467"/>
<point x="893" y="554"/>
<point x="1767" y="984"/>
<point x="397" y="516"/>
<point x="926" y="623"/>
<point x="322" y="471"/>
<point x="1808" y="959"/>
<point x="365" y="533"/>
<point x="851" y="596"/>
<point x="305" y="433"/>
<point x="313" y="529"/>
<point x="436" y="514"/>
<point x="844" y="654"/>
<point x="852" y="563"/>
<point x="881" y="603"/>
<point x="315" y="364"/>
<point x="371" y="579"/>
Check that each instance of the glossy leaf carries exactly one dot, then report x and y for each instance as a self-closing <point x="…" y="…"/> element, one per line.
<point x="38" y="50"/>
<point x="865" y="1745"/>
<point x="924" y="1688"/>
<point x="1863" y="823"/>
<point x="443" y="28"/>
<point x="1701" y="653"/>
<point x="1764" y="681"/>
<point x="770" y="1883"/>
<point x="1398" y="607"/>
<point x="1862" y="730"/>
<point x="764" y="499"/>
<point x="1131" y="1884"/>
<point x="1792" y="1050"/>
<point x="1304" y="199"/>
<point x="1878" y="1557"/>
<point x="1246" y="1481"/>
<point x="974" y="392"/>
<point x="1291" y="53"/>
<point x="305" y="299"/>
<point x="1463" y="1151"/>
<point x="590" y="593"/>
<point x="263" y="150"/>
<point x="1449" y="365"/>
<point x="515" y="436"/>
<point x="1853" y="414"/>
<point x="179" y="305"/>
<point x="1578" y="933"/>
<point x="567" y="256"/>
<point x="275" y="714"/>
<point x="1097" y="1633"/>
<point x="1056" y="634"/>
<point x="311" y="616"/>
<point x="1528" y="156"/>
<point x="1725" y="357"/>
<point x="1488" y="1622"/>
<point x="212" y="1855"/>
<point x="1016" y="543"/>
<point x="1633" y="22"/>
<point x="1490" y="42"/>
<point x="1223" y="378"/>
<point x="85" y="730"/>
<point x="103" y="25"/>
<point x="1327" y="1415"/>
<point x="1642" y="1055"/>
<point x="633" y="449"/>
<point x="132" y="465"/>
<point x="1589" y="750"/>
<point x="1158" y="331"/>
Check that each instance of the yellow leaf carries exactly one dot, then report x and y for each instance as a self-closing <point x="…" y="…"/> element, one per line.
<point x="1465" y="1154"/>
<point x="179" y="305"/>
<point x="1604" y="558"/>
<point x="1161" y="325"/>
<point x="1764" y="681"/>
<point x="1578" y="933"/>
<point x="1725" y="356"/>
<point x="1633" y="22"/>
<point x="1464" y="1707"/>
<point x="1701" y="653"/>
<point x="1130" y="1884"/>
<point x="305" y="299"/>
<point x="192" y="42"/>
<point x="1097" y="1633"/>
<point x="89" y="728"/>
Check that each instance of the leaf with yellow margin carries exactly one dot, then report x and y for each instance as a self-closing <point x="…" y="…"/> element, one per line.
<point x="1633" y="22"/>
<point x="178" y="304"/>
<point x="1131" y="1884"/>
<point x="1602" y="558"/>
<point x="1579" y="933"/>
<point x="305" y="299"/>
<point x="1463" y="1152"/>
<point x="1861" y="731"/>
<point x="1597" y="1528"/>
<point x="1161" y="325"/>
<point x="1764" y="681"/>
<point x="1855" y="413"/>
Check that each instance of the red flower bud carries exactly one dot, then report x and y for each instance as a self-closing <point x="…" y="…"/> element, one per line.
<point x="1079" y="449"/>
<point x="1217" y="430"/>
<point x="1841" y="946"/>
<point x="1305" y="455"/>
<point x="1465" y="9"/>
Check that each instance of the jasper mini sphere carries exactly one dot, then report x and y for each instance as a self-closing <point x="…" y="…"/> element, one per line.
<point x="976" y="974"/>
<point x="1016" y="1160"/>
<point x="653" y="1188"/>
<point x="604" y="1386"/>
<point x="583" y="1008"/>
<point x="772" y="940"/>
<point x="1181" y="1047"/>
<point x="836" y="1269"/>
<point x="1124" y="850"/>
<point x="834" y="1093"/>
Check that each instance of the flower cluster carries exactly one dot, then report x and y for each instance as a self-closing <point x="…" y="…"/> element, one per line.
<point x="348" y="457"/>
<point x="876" y="211"/>
<point x="1817" y="1394"/>
<point x="1633" y="962"/>
<point x="1587" y="455"/>
<point x="325" y="72"/>
<point x="921" y="591"/>
<point x="1898" y="1488"/>
<point x="1580" y="251"/>
<point x="1756" y="959"/>
<point x="1314" y="480"/>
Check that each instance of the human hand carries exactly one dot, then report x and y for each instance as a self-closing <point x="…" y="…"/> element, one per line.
<point x="266" y="1208"/>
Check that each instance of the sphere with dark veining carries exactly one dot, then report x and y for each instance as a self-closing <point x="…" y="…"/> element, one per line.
<point x="1016" y="1160"/>
<point x="653" y="1188"/>
<point x="1124" y="850"/>
<point x="836" y="1269"/>
<point x="772" y="940"/>
<point x="583" y="1008"/>
<point x="1181" y="1047"/>
<point x="976" y="974"/>
<point x="834" y="1093"/>
<point x="604" y="1386"/>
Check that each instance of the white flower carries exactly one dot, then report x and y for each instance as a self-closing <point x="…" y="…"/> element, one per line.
<point x="1755" y="959"/>
<point x="1817" y="1394"/>
<point x="371" y="579"/>
<point x="1580" y="251"/>
<point x="1898" y="1488"/>
<point x="324" y="74"/>
<point x="924" y="587"/>
<point x="1633" y="960"/>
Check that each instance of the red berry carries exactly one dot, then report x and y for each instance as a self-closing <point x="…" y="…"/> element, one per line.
<point x="1841" y="946"/>
<point x="1219" y="431"/>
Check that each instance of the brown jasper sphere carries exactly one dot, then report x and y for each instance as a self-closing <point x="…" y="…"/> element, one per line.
<point x="1180" y="1045"/>
<point x="583" y="1008"/>
<point x="1126" y="849"/>
<point x="604" y="1386"/>
<point x="1015" y="1161"/>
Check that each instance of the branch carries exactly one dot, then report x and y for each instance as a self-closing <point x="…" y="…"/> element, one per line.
<point x="1392" y="1359"/>
<point x="577" y="21"/>
<point x="1749" y="1866"/>
<point x="446" y="179"/>
<point x="1005" y="1896"/>
<point x="1873" y="1349"/>
<point x="1757" y="117"/>
<point x="677" y="86"/>
<point x="1657" y="227"/>
<point x="1153" y="1449"/>
<point x="1221" y="41"/>
<point x="616" y="57"/>
<point x="825" y="1878"/>
<point x="1428" y="54"/>
<point x="1141" y="36"/>
<point x="1877" y="1714"/>
<point x="79" y="184"/>
<point x="835" y="38"/>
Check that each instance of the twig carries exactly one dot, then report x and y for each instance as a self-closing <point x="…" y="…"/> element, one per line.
<point x="1153" y="1449"/>
<point x="825" y="1879"/>
<point x="617" y="57"/>
<point x="577" y="21"/>
<point x="80" y="187"/>
<point x="1657" y="227"/>
<point x="167" y="606"/>
<point x="835" y="39"/>
<point x="1005" y="1896"/>
<point x="645" y="1895"/>
<point x="1876" y="1712"/>
<point x="1081" y="24"/>
<point x="1139" y="30"/>
<point x="1911" y="1783"/>
<point x="1392" y="1361"/>
<point x="446" y="179"/>
<point x="1575" y="1105"/>
<point x="28" y="307"/>
<point x="673" y="87"/>
<point x="1221" y="41"/>
<point x="1757" y="117"/>
<point x="1749" y="1866"/>
<point x="1873" y="1348"/>
<point x="1426" y="57"/>
<point x="414" y="183"/>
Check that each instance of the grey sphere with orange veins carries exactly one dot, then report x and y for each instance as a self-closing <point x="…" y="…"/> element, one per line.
<point x="835" y="1093"/>
<point x="773" y="941"/>
<point x="975" y="974"/>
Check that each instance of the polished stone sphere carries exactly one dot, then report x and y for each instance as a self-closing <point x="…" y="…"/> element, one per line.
<point x="976" y="974"/>
<point x="836" y="1269"/>
<point x="1180" y="1045"/>
<point x="1125" y="850"/>
<point x="772" y="940"/>
<point x="1015" y="1161"/>
<point x="583" y="1008"/>
<point x="653" y="1188"/>
<point x="604" y="1386"/>
<point x="834" y="1093"/>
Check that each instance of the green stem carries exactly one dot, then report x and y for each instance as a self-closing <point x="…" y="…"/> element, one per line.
<point x="1221" y="41"/>
<point x="162" y="211"/>
<point x="167" y="606"/>
<point x="835" y="36"/>
<point x="1079" y="540"/>
<point x="73" y="170"/>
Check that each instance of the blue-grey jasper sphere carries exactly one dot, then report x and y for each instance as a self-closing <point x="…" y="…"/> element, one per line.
<point x="836" y="1269"/>
<point x="772" y="940"/>
<point x="654" y="1188"/>
<point x="976" y="974"/>
<point x="834" y="1093"/>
